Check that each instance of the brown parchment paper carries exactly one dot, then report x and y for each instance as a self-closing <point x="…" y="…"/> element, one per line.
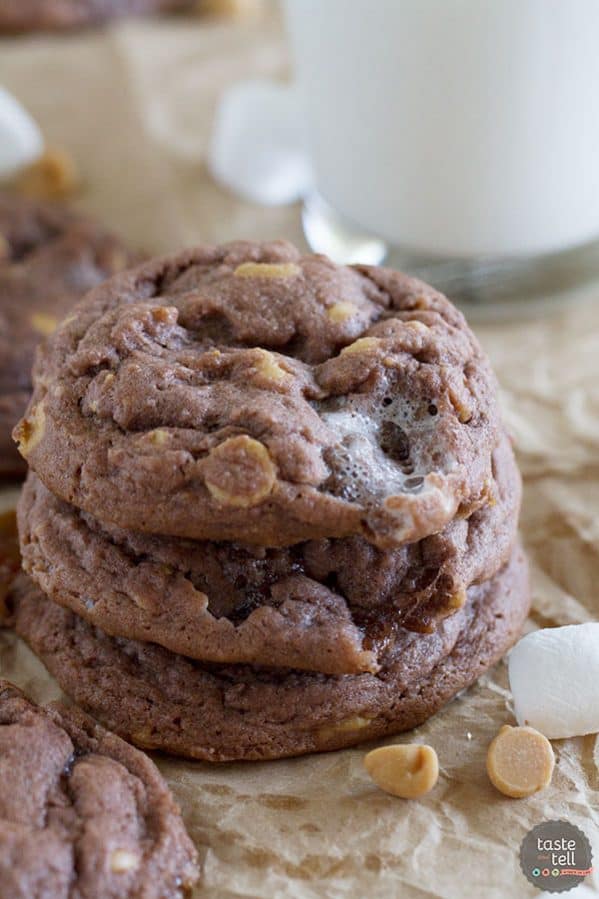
<point x="134" y="105"/>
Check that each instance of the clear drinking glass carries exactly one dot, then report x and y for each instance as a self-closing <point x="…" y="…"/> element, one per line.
<point x="457" y="139"/>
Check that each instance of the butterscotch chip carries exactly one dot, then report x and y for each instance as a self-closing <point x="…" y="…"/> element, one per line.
<point x="240" y="472"/>
<point x="464" y="413"/>
<point x="461" y="406"/>
<point x="53" y="176"/>
<point x="43" y="323"/>
<point x="340" y="312"/>
<point x="458" y="599"/>
<point x="520" y="761"/>
<point x="406" y="770"/>
<point x="164" y="315"/>
<point x="268" y="368"/>
<point x="159" y="437"/>
<point x="362" y="345"/>
<point x="30" y="430"/>
<point x="267" y="270"/>
<point x="122" y="860"/>
<point x="349" y="725"/>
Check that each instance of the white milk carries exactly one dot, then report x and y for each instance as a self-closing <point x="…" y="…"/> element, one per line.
<point x="454" y="127"/>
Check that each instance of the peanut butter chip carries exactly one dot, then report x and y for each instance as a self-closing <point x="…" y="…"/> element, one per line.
<point x="267" y="270"/>
<point x="122" y="860"/>
<point x="405" y="770"/>
<point x="239" y="472"/>
<point x="43" y="323"/>
<point x="520" y="761"/>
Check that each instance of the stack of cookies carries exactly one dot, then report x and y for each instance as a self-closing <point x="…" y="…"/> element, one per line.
<point x="271" y="508"/>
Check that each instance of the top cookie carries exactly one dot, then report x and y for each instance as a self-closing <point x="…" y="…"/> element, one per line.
<point x="249" y="393"/>
<point x="49" y="258"/>
<point x="82" y="813"/>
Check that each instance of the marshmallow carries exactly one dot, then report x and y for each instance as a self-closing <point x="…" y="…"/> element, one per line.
<point x="256" y="148"/>
<point x="21" y="140"/>
<point x="554" y="677"/>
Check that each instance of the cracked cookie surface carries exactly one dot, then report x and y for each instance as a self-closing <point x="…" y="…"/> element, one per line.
<point x="49" y="258"/>
<point x="160" y="700"/>
<point x="82" y="813"/>
<point x="248" y="393"/>
<point x="323" y="605"/>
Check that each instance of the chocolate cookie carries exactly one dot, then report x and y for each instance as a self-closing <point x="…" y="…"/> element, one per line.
<point x="49" y="257"/>
<point x="45" y="15"/>
<point x="82" y="813"/>
<point x="327" y="605"/>
<point x="248" y="393"/>
<point x="215" y="712"/>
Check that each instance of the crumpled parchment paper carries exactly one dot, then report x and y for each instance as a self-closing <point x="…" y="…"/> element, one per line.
<point x="134" y="105"/>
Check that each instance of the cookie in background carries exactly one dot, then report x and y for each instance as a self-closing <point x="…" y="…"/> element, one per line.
<point x="18" y="16"/>
<point x="50" y="256"/>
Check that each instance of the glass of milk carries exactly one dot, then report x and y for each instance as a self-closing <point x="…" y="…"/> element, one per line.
<point x="458" y="138"/>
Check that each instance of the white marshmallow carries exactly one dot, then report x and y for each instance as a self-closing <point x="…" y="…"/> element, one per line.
<point x="21" y="140"/>
<point x="256" y="148"/>
<point x="554" y="677"/>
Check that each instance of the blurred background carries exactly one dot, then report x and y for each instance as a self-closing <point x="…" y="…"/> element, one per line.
<point x="133" y="103"/>
<point x="456" y="138"/>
